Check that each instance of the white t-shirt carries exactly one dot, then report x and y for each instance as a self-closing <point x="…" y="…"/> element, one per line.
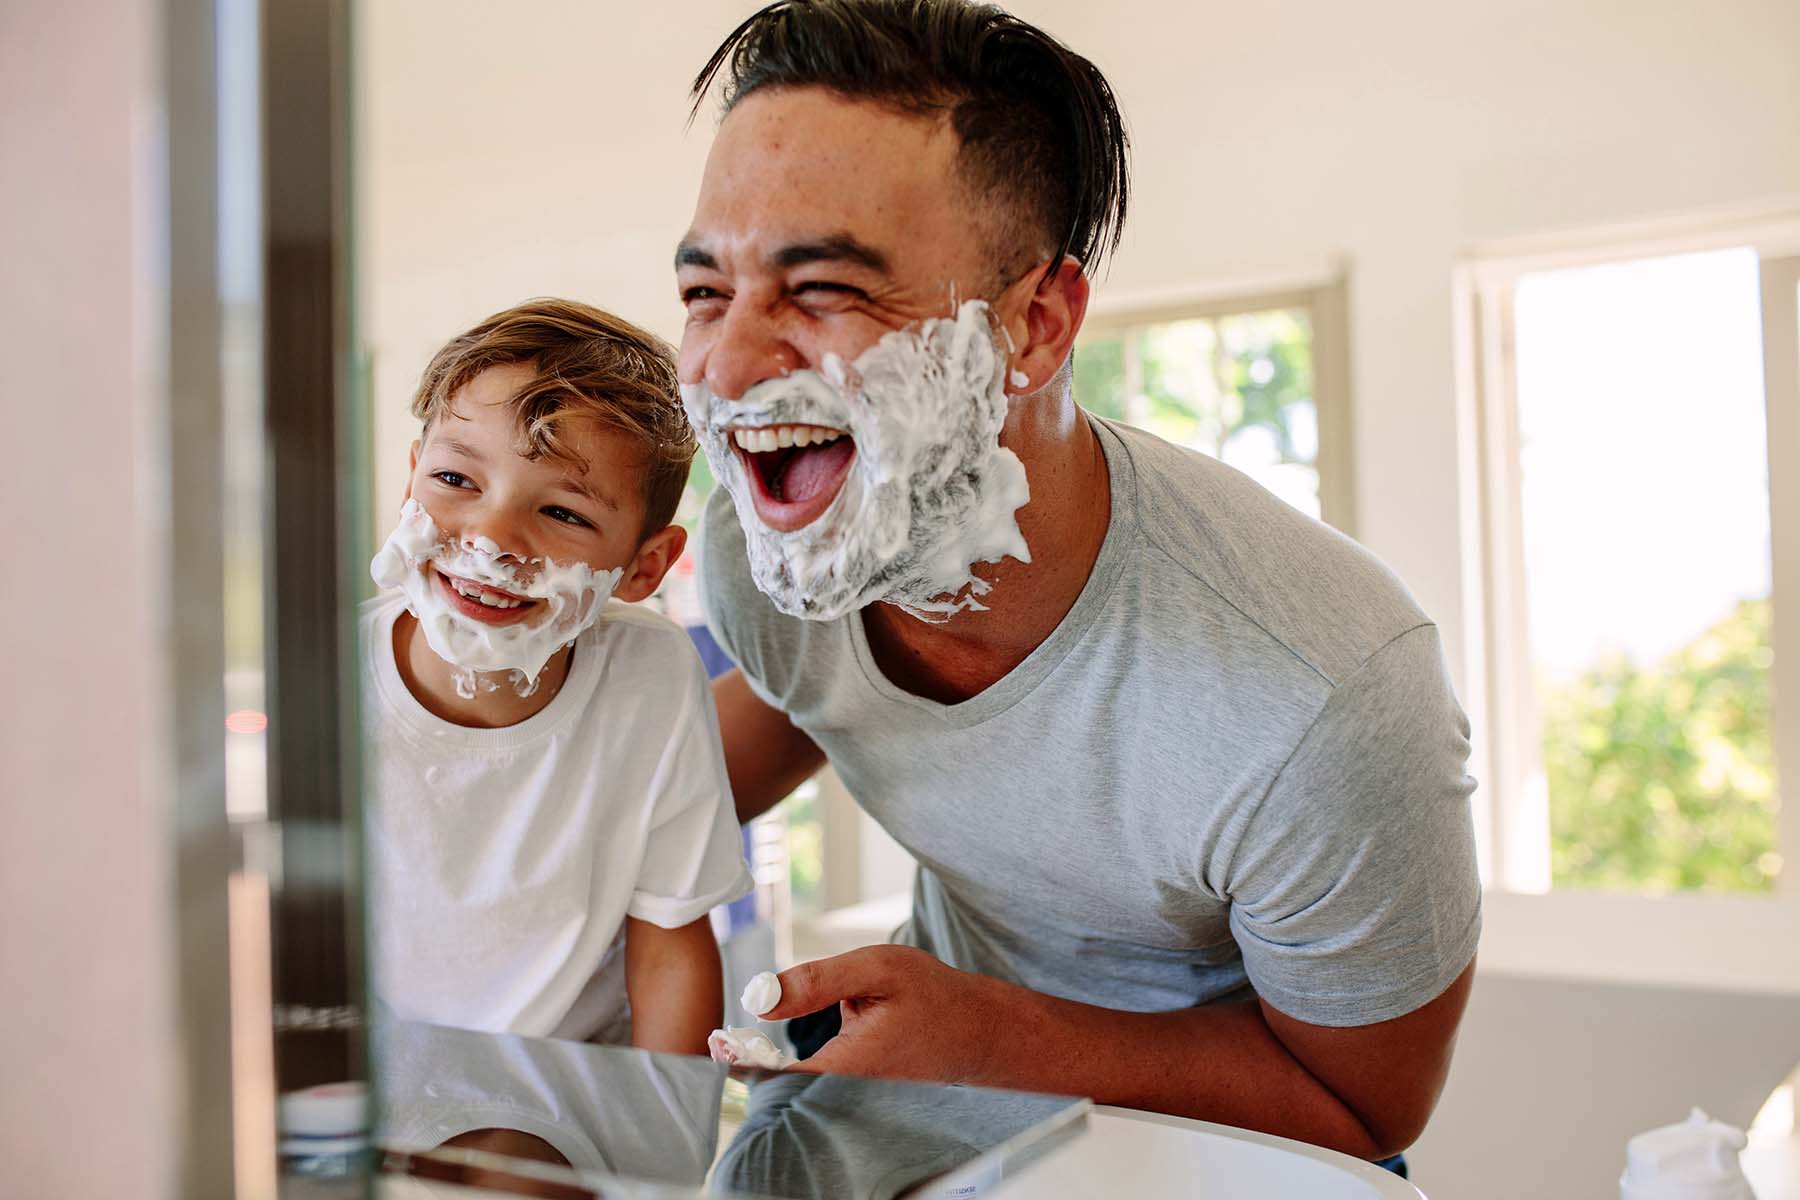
<point x="502" y="863"/>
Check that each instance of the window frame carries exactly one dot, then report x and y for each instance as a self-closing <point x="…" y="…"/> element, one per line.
<point x="1679" y="939"/>
<point x="1324" y="297"/>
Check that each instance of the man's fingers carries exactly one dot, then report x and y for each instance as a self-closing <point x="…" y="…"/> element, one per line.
<point x="862" y="973"/>
<point x="839" y="1056"/>
<point x="814" y="985"/>
<point x="811" y="1066"/>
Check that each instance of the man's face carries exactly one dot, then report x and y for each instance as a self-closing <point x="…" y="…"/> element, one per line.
<point x="858" y="428"/>
<point x="822" y="224"/>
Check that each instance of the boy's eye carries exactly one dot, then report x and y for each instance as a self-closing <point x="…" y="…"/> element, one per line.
<point x="452" y="478"/>
<point x="556" y="513"/>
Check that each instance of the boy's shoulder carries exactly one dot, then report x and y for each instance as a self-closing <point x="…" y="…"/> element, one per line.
<point x="375" y="617"/>
<point x="639" y="621"/>
<point x="638" y="631"/>
<point x="644" y="651"/>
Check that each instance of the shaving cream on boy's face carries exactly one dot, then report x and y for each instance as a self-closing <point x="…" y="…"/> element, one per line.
<point x="926" y="489"/>
<point x="465" y="593"/>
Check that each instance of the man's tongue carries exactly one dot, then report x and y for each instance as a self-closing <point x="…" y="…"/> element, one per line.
<point x="813" y="470"/>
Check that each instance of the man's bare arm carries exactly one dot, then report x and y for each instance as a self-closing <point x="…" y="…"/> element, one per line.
<point x="1366" y="1090"/>
<point x="765" y="756"/>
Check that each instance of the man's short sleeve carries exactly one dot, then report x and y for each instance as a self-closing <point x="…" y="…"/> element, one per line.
<point x="1353" y="886"/>
<point x="728" y="595"/>
<point x="693" y="856"/>
<point x="721" y="571"/>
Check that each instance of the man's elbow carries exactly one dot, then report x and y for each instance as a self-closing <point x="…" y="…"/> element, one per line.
<point x="1396" y="1135"/>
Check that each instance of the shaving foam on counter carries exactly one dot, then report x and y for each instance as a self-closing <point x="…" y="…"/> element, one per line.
<point x="747" y="1048"/>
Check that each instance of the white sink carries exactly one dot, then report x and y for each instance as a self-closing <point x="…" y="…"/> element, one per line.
<point x="1139" y="1156"/>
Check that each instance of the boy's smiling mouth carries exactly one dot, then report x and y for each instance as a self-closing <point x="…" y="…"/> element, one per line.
<point x="482" y="602"/>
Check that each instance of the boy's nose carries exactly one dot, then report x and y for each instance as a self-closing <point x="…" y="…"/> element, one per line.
<point x="494" y="532"/>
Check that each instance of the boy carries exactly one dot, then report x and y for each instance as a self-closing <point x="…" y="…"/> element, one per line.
<point x="549" y="820"/>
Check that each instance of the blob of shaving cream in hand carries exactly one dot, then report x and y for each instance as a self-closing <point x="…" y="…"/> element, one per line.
<point x="419" y="561"/>
<point x="747" y="1048"/>
<point x="761" y="994"/>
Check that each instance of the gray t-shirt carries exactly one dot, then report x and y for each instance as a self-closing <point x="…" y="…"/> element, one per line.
<point x="1236" y="760"/>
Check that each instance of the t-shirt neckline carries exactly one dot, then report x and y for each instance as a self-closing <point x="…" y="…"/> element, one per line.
<point x="404" y="707"/>
<point x="1024" y="678"/>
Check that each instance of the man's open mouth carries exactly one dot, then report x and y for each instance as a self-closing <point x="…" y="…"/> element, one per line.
<point x="795" y="471"/>
<point x="482" y="602"/>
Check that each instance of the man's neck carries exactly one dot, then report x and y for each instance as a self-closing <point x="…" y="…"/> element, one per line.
<point x="1064" y="525"/>
<point x="496" y="703"/>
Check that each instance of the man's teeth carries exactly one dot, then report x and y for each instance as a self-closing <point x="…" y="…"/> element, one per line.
<point x="780" y="437"/>
<point x="477" y="592"/>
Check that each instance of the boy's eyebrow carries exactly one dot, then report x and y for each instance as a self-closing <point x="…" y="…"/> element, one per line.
<point x="462" y="448"/>
<point x="583" y="488"/>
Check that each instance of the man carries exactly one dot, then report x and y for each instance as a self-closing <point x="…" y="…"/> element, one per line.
<point x="1181" y="767"/>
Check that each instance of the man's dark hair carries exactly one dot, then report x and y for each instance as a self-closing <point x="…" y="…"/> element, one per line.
<point x="1040" y="131"/>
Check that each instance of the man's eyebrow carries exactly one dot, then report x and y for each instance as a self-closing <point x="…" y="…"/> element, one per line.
<point x="689" y="254"/>
<point x="839" y="247"/>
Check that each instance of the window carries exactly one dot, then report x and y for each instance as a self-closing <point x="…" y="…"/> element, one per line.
<point x="1256" y="382"/>
<point x="1633" y="418"/>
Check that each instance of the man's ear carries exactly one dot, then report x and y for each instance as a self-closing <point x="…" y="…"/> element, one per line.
<point x="1048" y="309"/>
<point x="412" y="468"/>
<point x="644" y="573"/>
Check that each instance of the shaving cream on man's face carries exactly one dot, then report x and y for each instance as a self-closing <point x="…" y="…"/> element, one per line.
<point x="900" y="509"/>
<point x="467" y="595"/>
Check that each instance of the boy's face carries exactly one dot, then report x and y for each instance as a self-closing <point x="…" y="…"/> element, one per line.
<point x="468" y="474"/>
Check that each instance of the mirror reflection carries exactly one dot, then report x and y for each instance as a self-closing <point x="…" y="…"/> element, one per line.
<point x="498" y="1110"/>
<point x="730" y="596"/>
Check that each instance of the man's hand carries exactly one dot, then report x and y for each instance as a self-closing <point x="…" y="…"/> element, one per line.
<point x="906" y="1015"/>
<point x="1364" y="1090"/>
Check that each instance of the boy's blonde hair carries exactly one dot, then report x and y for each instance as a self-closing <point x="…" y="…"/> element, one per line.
<point x="587" y="365"/>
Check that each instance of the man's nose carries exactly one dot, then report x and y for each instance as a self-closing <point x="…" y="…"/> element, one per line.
<point x="746" y="348"/>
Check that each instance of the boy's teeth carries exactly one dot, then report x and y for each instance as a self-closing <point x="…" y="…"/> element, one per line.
<point x="479" y="593"/>
<point x="780" y="437"/>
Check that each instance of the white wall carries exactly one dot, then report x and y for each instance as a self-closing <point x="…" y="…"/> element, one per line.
<point x="1552" y="1077"/>
<point x="531" y="149"/>
<point x="508" y="151"/>
<point x="88" y="1040"/>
